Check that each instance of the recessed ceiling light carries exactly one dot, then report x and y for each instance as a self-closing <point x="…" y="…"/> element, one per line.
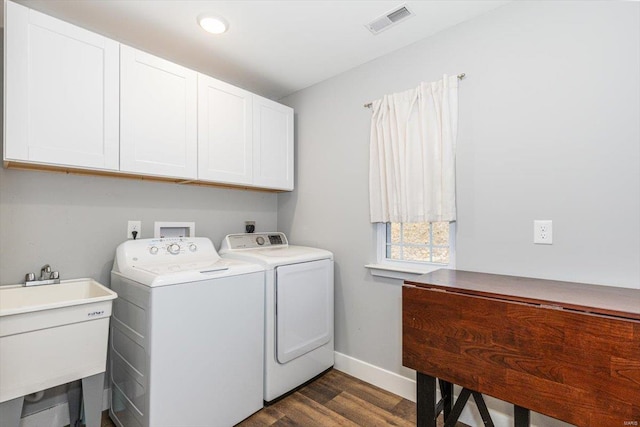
<point x="213" y="24"/>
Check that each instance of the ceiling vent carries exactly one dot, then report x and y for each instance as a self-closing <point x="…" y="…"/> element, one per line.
<point x="389" y="19"/>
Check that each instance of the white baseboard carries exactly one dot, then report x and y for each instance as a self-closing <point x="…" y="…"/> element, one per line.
<point x="57" y="416"/>
<point x="386" y="380"/>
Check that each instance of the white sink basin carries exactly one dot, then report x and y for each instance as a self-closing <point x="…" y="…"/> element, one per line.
<point x="23" y="299"/>
<point x="52" y="334"/>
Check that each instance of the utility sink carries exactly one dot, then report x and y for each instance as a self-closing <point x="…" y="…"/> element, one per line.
<point x="52" y="334"/>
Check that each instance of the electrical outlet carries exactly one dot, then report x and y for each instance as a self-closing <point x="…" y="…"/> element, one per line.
<point x="543" y="232"/>
<point x="134" y="226"/>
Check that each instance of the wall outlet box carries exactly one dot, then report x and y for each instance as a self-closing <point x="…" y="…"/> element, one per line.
<point x="134" y="226"/>
<point x="543" y="232"/>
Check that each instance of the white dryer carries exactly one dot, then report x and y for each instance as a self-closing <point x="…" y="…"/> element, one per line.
<point x="186" y="335"/>
<point x="298" y="310"/>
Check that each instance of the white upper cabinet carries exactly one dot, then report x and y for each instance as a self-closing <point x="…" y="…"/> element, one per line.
<point x="272" y="144"/>
<point x="61" y="92"/>
<point x="158" y="118"/>
<point x="76" y="99"/>
<point x="243" y="139"/>
<point x="224" y="132"/>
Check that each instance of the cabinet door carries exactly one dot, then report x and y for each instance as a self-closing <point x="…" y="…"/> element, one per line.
<point x="224" y="132"/>
<point x="273" y="144"/>
<point x="62" y="92"/>
<point x="157" y="116"/>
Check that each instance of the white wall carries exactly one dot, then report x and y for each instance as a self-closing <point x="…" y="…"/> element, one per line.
<point x="549" y="128"/>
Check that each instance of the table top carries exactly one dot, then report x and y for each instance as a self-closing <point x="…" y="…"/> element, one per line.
<point x="607" y="300"/>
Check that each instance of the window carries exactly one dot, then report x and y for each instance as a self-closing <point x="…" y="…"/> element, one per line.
<point x="409" y="249"/>
<point x="418" y="242"/>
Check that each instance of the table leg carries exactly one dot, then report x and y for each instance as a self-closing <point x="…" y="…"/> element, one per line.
<point x="426" y="400"/>
<point x="521" y="416"/>
<point x="446" y="390"/>
<point x="482" y="408"/>
<point x="463" y="397"/>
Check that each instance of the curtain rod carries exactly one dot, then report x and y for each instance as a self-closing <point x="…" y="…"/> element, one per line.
<point x="369" y="104"/>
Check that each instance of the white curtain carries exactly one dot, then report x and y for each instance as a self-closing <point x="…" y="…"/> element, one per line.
<point x="412" y="154"/>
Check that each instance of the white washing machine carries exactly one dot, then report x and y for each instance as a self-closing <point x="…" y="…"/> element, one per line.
<point x="298" y="311"/>
<point x="187" y="335"/>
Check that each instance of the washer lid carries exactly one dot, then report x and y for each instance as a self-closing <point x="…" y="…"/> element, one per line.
<point x="165" y="269"/>
<point x="163" y="276"/>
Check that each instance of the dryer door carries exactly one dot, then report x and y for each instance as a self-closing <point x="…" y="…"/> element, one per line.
<point x="304" y="311"/>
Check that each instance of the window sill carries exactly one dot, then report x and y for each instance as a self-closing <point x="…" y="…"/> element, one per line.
<point x="402" y="271"/>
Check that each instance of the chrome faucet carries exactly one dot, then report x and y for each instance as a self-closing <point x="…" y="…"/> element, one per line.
<point x="45" y="272"/>
<point x="47" y="277"/>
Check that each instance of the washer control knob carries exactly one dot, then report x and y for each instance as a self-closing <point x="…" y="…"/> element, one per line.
<point x="173" y="248"/>
<point x="153" y="250"/>
<point x="193" y="247"/>
<point x="260" y="240"/>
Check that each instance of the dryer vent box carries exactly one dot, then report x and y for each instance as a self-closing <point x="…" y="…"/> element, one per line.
<point x="174" y="229"/>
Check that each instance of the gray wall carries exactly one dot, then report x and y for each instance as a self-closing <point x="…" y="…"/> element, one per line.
<point x="549" y="128"/>
<point x="75" y="222"/>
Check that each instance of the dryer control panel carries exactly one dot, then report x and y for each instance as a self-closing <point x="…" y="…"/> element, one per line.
<point x="255" y="241"/>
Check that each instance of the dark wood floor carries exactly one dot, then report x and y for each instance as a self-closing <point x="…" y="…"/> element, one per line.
<point x="335" y="399"/>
